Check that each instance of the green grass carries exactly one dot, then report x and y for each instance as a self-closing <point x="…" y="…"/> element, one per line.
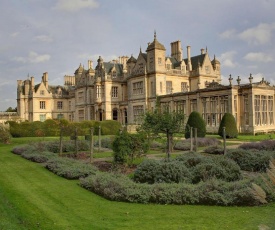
<point x="33" y="198"/>
<point x="250" y="138"/>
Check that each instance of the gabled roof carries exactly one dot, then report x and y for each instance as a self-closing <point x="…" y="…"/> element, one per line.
<point x="109" y="66"/>
<point x="195" y="60"/>
<point x="132" y="59"/>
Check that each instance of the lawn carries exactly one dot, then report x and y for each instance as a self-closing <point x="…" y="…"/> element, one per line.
<point x="33" y="198"/>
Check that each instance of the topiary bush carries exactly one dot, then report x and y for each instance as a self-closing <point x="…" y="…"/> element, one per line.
<point x="228" y="121"/>
<point x="195" y="120"/>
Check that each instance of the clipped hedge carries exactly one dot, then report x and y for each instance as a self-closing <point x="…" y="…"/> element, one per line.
<point x="51" y="127"/>
<point x="211" y="192"/>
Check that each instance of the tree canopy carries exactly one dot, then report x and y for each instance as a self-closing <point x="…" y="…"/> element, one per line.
<point x="163" y="121"/>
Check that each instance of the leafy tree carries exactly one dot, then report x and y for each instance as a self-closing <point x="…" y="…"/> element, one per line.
<point x="163" y="121"/>
<point x="5" y="136"/>
<point x="228" y="121"/>
<point x="10" y="109"/>
<point x="195" y="120"/>
<point x="128" y="146"/>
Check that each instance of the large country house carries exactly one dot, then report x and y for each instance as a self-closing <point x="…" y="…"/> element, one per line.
<point x="124" y="89"/>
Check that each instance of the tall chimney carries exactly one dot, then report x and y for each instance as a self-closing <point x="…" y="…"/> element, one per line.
<point x="90" y="64"/>
<point x="45" y="79"/>
<point x="202" y="51"/>
<point x="176" y="51"/>
<point x="189" y="64"/>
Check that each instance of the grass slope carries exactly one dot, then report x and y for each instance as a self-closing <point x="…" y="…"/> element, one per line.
<point x="33" y="198"/>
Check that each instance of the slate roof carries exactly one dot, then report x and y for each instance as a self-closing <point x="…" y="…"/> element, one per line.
<point x="195" y="60"/>
<point x="109" y="66"/>
<point x="132" y="59"/>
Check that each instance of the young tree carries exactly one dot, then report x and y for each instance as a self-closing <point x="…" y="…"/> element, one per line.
<point x="195" y="120"/>
<point x="5" y="136"/>
<point x="228" y="121"/>
<point x="165" y="122"/>
<point x="127" y="147"/>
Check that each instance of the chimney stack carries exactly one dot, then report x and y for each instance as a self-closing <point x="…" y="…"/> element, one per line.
<point x="189" y="65"/>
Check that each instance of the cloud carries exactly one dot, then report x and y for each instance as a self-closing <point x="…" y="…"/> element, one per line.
<point x="228" y="34"/>
<point x="75" y="5"/>
<point x="43" y="38"/>
<point x="227" y="59"/>
<point x="258" y="35"/>
<point x="33" y="57"/>
<point x="15" y="34"/>
<point x="258" y="57"/>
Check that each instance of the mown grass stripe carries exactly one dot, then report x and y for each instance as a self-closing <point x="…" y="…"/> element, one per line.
<point x="42" y="200"/>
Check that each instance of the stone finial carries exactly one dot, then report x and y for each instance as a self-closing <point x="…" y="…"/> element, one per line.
<point x="230" y="80"/>
<point x="155" y="35"/>
<point x="238" y="80"/>
<point x="250" y="79"/>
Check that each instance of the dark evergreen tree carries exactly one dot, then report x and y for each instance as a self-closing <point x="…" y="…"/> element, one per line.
<point x="228" y="121"/>
<point x="195" y="120"/>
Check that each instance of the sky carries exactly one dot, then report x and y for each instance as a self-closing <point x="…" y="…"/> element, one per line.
<point x="55" y="36"/>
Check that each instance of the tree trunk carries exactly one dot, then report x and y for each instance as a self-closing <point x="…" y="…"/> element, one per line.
<point x="169" y="137"/>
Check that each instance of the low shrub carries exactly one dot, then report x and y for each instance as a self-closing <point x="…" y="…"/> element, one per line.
<point x="189" y="168"/>
<point x="156" y="145"/>
<point x="69" y="168"/>
<point x="68" y="146"/>
<point x="215" y="149"/>
<point x="152" y="171"/>
<point x="182" y="145"/>
<point x="201" y="142"/>
<point x="251" y="160"/>
<point x="212" y="192"/>
<point x="19" y="149"/>
<point x="39" y="157"/>
<point x="207" y="141"/>
<point x="106" y="142"/>
<point x="268" y="145"/>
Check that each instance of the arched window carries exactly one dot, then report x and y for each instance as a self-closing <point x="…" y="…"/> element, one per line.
<point x="115" y="113"/>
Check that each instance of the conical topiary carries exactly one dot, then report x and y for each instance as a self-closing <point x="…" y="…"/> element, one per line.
<point x="228" y="121"/>
<point x="195" y="120"/>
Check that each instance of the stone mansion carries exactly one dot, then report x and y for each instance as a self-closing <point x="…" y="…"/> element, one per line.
<point x="124" y="89"/>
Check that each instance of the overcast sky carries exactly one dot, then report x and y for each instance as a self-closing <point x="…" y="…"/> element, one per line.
<point x="55" y="36"/>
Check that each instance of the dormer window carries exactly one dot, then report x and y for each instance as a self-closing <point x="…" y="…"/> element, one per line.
<point x="114" y="75"/>
<point x="42" y="92"/>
